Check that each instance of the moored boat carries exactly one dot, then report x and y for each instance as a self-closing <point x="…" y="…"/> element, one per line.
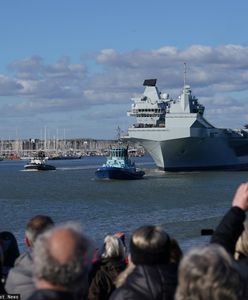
<point x="119" y="166"/>
<point x="65" y="157"/>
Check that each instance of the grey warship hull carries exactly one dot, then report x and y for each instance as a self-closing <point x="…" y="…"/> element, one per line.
<point x="192" y="153"/>
<point x="179" y="138"/>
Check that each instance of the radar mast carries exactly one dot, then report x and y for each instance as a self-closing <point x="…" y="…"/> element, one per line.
<point x="184" y="75"/>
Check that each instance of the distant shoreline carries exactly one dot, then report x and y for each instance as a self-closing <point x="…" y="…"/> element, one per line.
<point x="17" y="149"/>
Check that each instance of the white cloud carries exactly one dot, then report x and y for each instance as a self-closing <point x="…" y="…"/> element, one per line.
<point x="9" y="86"/>
<point x="218" y="76"/>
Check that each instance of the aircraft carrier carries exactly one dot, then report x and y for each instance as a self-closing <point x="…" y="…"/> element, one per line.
<point x="178" y="137"/>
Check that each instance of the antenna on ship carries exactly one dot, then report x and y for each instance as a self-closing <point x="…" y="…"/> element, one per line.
<point x="185" y="72"/>
<point x="119" y="135"/>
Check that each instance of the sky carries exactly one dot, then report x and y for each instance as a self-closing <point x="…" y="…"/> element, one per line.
<point x="70" y="67"/>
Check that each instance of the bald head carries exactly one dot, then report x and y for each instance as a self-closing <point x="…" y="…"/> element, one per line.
<point x="63" y="245"/>
<point x="62" y="256"/>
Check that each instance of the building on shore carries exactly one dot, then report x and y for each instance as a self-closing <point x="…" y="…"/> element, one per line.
<point x="16" y="149"/>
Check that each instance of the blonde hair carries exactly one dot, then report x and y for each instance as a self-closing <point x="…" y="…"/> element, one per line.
<point x="242" y="243"/>
<point x="208" y="273"/>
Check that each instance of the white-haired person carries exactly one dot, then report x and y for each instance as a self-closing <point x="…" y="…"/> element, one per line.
<point x="62" y="260"/>
<point x="209" y="273"/>
<point x="151" y="274"/>
<point x="111" y="264"/>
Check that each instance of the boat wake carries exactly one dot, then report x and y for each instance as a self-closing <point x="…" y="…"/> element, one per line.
<point x="77" y="168"/>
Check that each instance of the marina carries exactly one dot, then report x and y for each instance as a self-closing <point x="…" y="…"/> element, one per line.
<point x="183" y="203"/>
<point x="56" y="149"/>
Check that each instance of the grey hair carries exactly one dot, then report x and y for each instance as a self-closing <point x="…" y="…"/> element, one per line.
<point x="37" y="225"/>
<point x="208" y="273"/>
<point x="71" y="274"/>
<point x="113" y="247"/>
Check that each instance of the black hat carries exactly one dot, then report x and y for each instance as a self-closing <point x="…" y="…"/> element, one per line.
<point x="151" y="255"/>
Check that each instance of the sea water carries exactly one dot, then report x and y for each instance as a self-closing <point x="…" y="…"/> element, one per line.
<point x="183" y="203"/>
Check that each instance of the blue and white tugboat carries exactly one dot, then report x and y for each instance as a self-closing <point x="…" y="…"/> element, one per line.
<point x="119" y="166"/>
<point x="38" y="163"/>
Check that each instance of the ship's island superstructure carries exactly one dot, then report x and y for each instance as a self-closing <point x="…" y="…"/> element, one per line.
<point x="178" y="137"/>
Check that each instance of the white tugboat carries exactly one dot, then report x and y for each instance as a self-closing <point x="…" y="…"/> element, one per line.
<point x="178" y="137"/>
<point x="38" y="163"/>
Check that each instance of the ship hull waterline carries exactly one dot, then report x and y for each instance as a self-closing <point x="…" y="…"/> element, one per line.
<point x="39" y="168"/>
<point x="197" y="154"/>
<point x="118" y="173"/>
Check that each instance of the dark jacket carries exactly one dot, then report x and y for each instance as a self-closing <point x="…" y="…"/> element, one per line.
<point x="227" y="234"/>
<point x="102" y="285"/>
<point x="45" y="294"/>
<point x="149" y="282"/>
<point x="229" y="229"/>
<point x="9" y="247"/>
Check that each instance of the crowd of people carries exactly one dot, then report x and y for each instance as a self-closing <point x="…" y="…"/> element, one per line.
<point x="61" y="262"/>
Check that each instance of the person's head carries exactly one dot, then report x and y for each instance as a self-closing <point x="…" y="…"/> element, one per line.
<point x="36" y="226"/>
<point x="62" y="258"/>
<point x="241" y="248"/>
<point x="150" y="244"/>
<point x="113" y="248"/>
<point x="10" y="249"/>
<point x="208" y="273"/>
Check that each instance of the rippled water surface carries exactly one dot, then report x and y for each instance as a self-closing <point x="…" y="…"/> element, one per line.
<point x="183" y="203"/>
